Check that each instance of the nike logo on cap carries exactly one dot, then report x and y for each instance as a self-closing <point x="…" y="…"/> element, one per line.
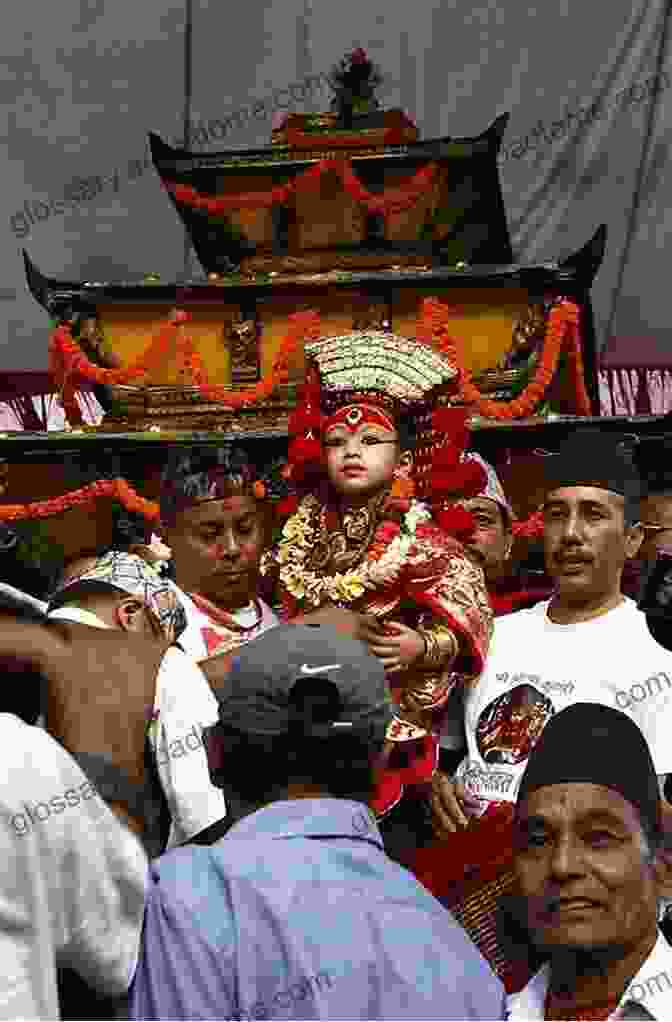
<point x="305" y="669"/>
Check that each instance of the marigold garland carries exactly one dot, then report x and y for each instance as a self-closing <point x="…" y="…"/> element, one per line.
<point x="118" y="489"/>
<point x="68" y="363"/>
<point x="66" y="358"/>
<point x="121" y="490"/>
<point x="303" y="326"/>
<point x="387" y="202"/>
<point x="563" y="326"/>
<point x="381" y="567"/>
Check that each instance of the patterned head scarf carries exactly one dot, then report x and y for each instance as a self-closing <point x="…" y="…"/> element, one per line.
<point x="131" y="574"/>
<point x="493" y="489"/>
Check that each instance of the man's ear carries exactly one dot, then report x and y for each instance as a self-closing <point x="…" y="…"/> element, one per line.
<point x="130" y="614"/>
<point x="634" y="537"/>
<point x="404" y="469"/>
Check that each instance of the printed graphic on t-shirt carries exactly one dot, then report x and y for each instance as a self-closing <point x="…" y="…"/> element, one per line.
<point x="510" y="725"/>
<point x="505" y="734"/>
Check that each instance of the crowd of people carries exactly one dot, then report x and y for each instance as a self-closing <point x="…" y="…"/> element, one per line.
<point x="268" y="774"/>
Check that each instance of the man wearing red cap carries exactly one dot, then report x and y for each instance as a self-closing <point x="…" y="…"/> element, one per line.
<point x="360" y="541"/>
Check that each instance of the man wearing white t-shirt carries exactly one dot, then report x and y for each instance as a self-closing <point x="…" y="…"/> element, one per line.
<point x="73" y="879"/>
<point x="588" y="643"/>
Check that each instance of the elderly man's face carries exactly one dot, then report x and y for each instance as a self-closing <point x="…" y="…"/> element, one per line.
<point x="583" y="869"/>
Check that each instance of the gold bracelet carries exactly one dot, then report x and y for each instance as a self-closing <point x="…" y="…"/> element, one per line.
<point x="440" y="649"/>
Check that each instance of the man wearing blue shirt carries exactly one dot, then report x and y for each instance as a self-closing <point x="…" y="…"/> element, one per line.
<point x="297" y="912"/>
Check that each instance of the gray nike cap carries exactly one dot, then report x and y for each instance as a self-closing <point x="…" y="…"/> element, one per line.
<point x="257" y="698"/>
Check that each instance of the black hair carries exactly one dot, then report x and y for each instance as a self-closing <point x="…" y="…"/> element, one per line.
<point x="260" y="768"/>
<point x="407" y="433"/>
<point x="23" y="690"/>
<point x="195" y="475"/>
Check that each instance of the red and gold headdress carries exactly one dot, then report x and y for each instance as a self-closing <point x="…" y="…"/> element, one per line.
<point x="380" y="376"/>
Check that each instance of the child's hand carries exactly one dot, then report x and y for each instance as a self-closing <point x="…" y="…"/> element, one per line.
<point x="398" y="647"/>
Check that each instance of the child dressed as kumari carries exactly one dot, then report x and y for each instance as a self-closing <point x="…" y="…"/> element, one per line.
<point x="359" y="539"/>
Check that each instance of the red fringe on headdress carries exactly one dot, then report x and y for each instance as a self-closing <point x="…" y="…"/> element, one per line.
<point x="456" y="521"/>
<point x="304" y="451"/>
<point x="452" y="421"/>
<point x="287" y="506"/>
<point x="304" y="419"/>
<point x="467" y="480"/>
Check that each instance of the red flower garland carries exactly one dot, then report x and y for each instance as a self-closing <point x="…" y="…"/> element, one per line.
<point x="387" y="203"/>
<point x="563" y="327"/>
<point x="66" y="358"/>
<point x="68" y="363"/>
<point x="119" y="489"/>
<point x="303" y="326"/>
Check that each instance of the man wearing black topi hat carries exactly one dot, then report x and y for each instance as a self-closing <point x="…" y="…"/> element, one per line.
<point x="588" y="642"/>
<point x="587" y="846"/>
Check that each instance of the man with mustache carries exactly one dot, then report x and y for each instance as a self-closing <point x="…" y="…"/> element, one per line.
<point x="588" y="847"/>
<point x="588" y="642"/>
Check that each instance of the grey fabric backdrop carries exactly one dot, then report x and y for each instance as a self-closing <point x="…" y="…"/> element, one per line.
<point x="588" y="87"/>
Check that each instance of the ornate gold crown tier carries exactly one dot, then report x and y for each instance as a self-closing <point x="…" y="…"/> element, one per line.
<point x="379" y="360"/>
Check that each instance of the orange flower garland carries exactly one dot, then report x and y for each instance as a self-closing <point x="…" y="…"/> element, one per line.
<point x="119" y="489"/>
<point x="392" y="200"/>
<point x="68" y="362"/>
<point x="303" y="326"/>
<point x="563" y="324"/>
<point x="66" y="358"/>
